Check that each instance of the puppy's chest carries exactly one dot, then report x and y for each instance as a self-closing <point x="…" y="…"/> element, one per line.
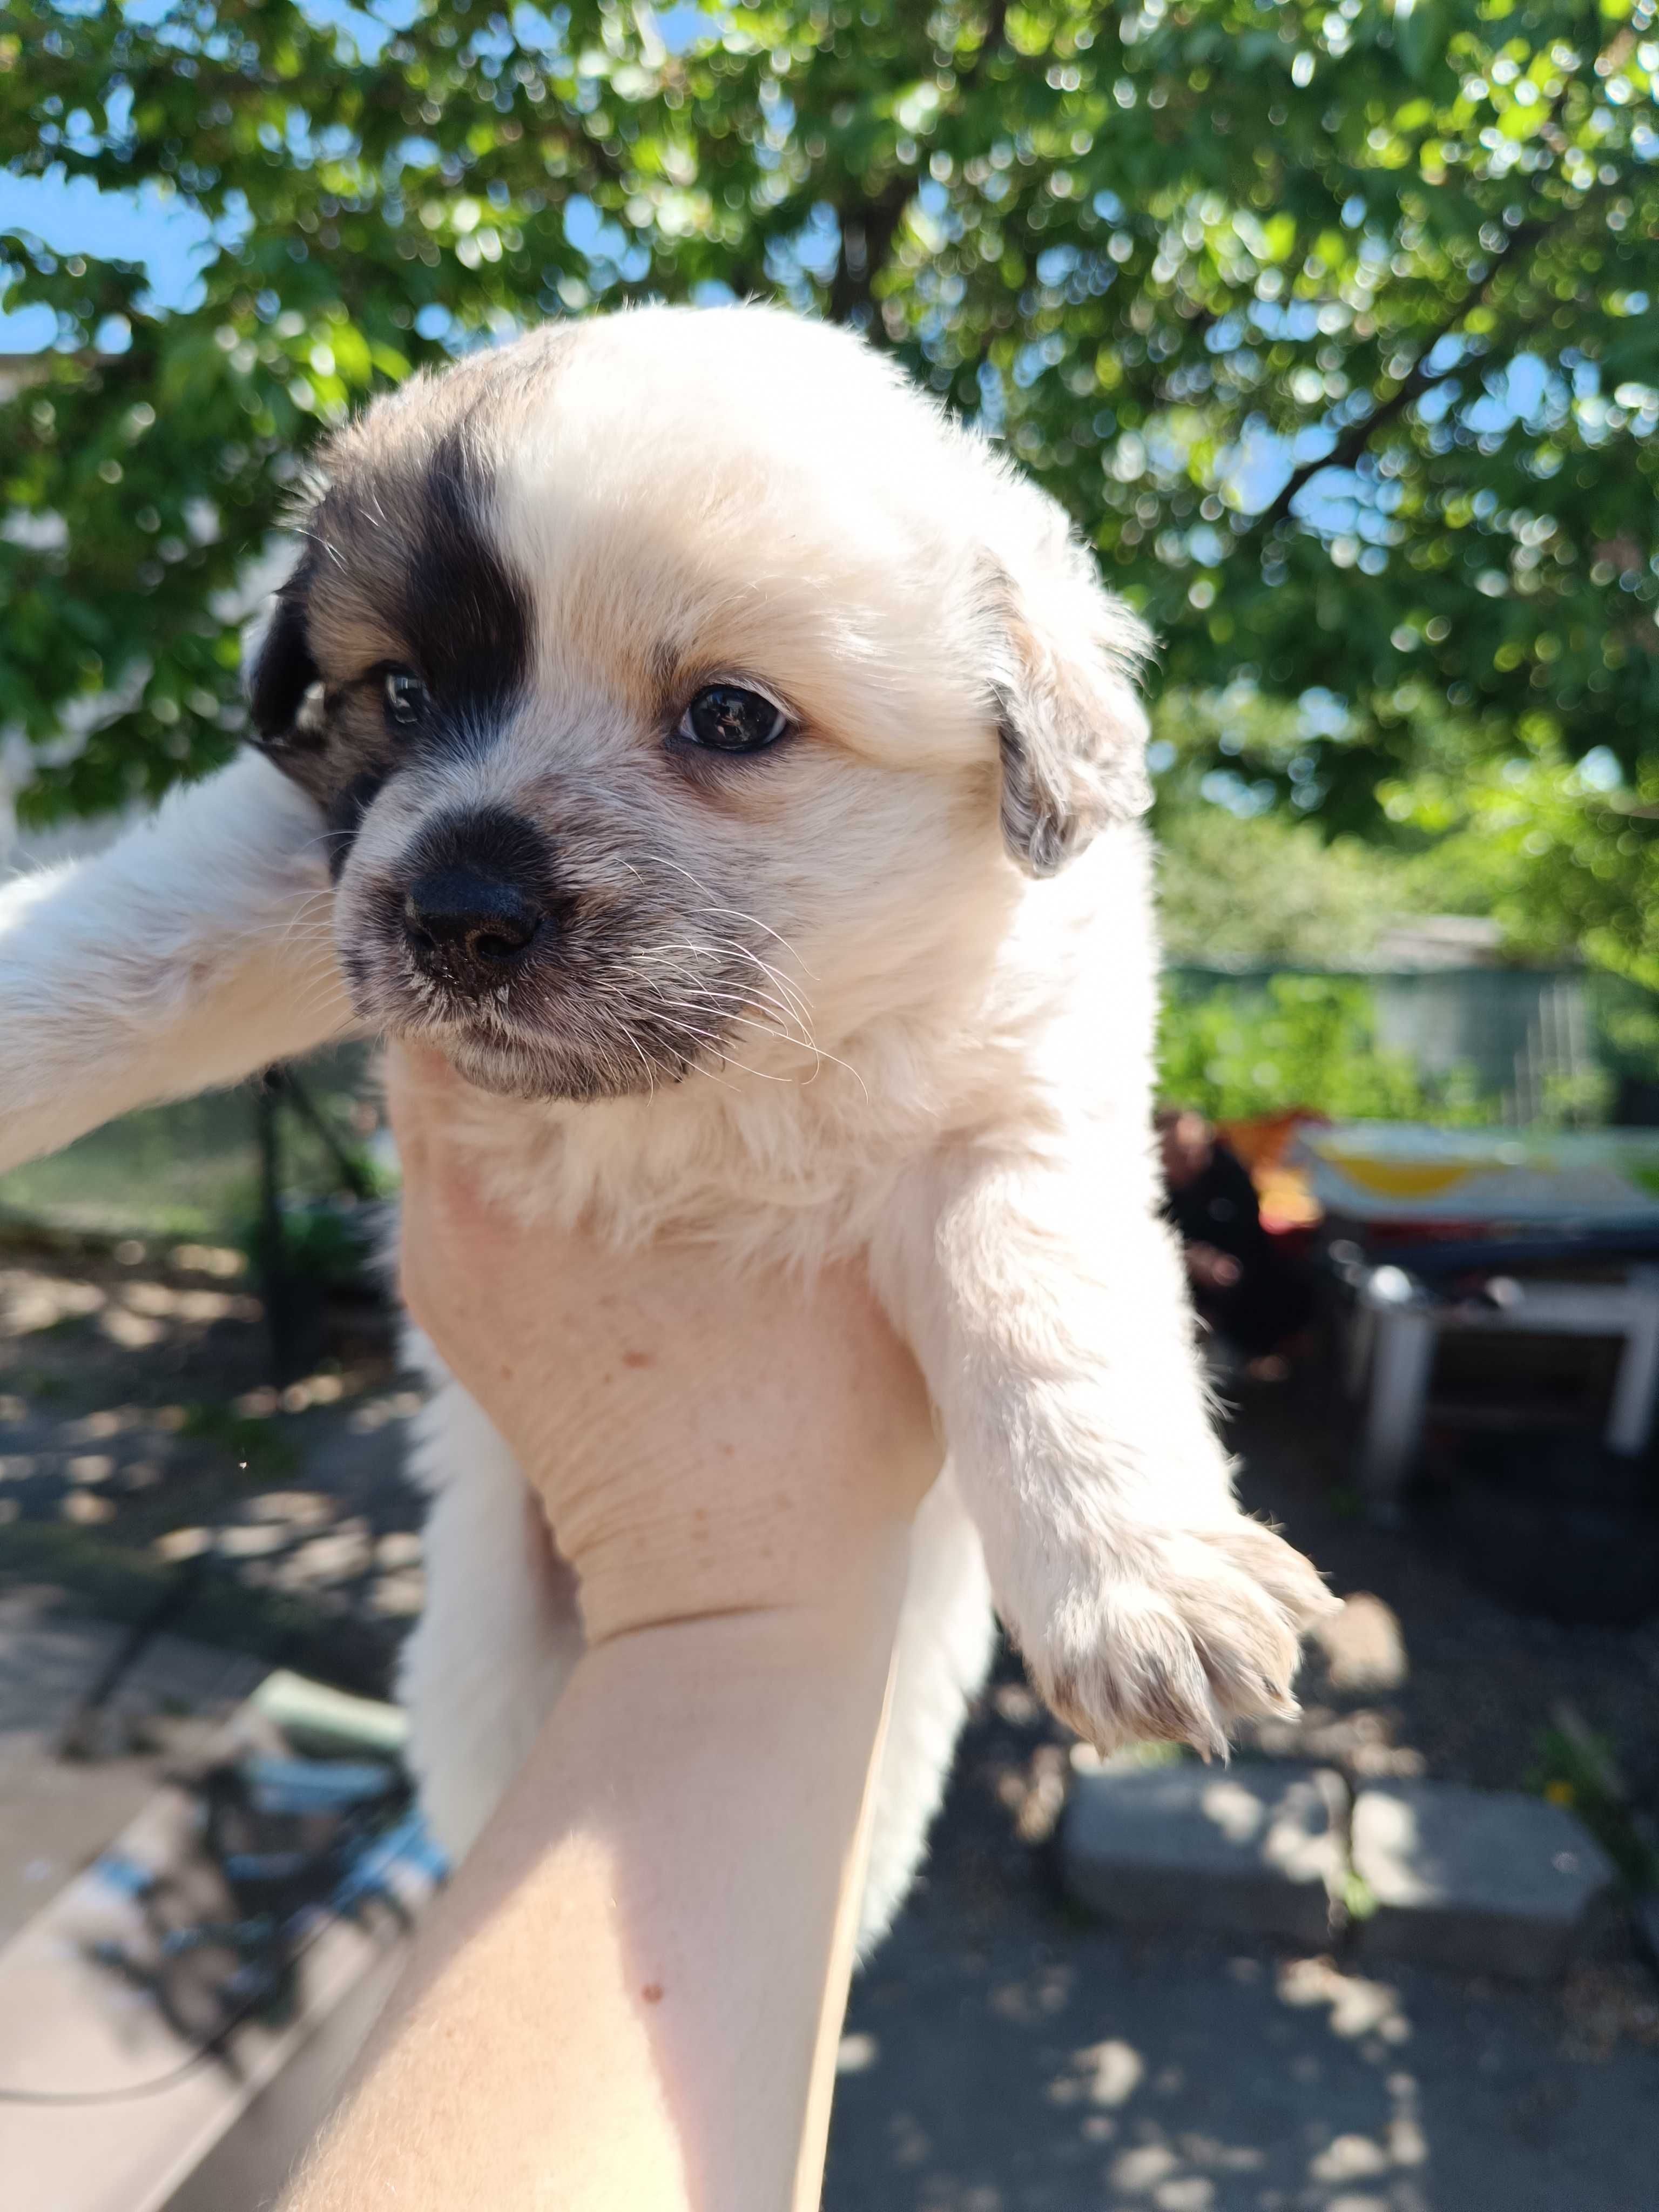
<point x="791" y="1187"/>
<point x="797" y="1172"/>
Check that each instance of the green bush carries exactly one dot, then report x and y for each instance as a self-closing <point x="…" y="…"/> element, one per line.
<point x="1259" y="1047"/>
<point x="330" y="1243"/>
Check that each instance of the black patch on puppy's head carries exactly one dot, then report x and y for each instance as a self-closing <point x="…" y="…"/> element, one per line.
<point x="467" y="615"/>
<point x="400" y="570"/>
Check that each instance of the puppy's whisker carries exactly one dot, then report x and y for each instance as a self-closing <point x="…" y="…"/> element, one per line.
<point x="722" y="1006"/>
<point x="733" y="996"/>
<point x="799" y="1034"/>
<point x="650" y="1077"/>
<point x="308" y="929"/>
<point x="768" y="1029"/>
<point x="727" y="1059"/>
<point x="795" y="1007"/>
<point x="681" y="982"/>
<point x="783" y="984"/>
<point x="662" y="860"/>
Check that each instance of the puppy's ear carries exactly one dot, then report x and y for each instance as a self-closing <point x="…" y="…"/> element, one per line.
<point x="1066" y="657"/>
<point x="278" y="672"/>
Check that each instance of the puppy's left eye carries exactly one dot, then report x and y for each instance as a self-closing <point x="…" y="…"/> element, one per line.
<point x="729" y="719"/>
<point x="406" y="697"/>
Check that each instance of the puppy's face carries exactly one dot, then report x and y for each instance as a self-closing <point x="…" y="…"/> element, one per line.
<point x="676" y="688"/>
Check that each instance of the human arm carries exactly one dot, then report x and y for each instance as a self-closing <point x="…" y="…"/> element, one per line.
<point x="627" y="2000"/>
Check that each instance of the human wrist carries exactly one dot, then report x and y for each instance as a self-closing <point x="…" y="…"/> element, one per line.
<point x="818" y="1586"/>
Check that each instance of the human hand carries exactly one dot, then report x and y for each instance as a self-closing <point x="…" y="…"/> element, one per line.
<point x="703" y="1440"/>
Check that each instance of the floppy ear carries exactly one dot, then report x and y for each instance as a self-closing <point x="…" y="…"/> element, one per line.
<point x="278" y="672"/>
<point x="1072" y="727"/>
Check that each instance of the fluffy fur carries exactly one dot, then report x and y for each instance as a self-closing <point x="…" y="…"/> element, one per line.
<point x="886" y="986"/>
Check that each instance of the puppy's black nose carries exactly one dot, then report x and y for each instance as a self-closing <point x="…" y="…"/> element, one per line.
<point x="468" y="929"/>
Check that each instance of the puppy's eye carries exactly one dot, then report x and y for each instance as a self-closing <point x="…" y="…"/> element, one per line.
<point x="406" y="697"/>
<point x="731" y="720"/>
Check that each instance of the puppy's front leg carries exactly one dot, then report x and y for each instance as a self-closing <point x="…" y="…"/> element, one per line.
<point x="1048" y="1308"/>
<point x="193" y="952"/>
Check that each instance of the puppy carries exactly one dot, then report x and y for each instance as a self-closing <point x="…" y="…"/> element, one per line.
<point x="733" y="767"/>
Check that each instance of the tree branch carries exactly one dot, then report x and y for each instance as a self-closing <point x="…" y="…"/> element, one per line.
<point x="1351" y="446"/>
<point x="1419" y="379"/>
<point x="866" y="239"/>
<point x="996" y="30"/>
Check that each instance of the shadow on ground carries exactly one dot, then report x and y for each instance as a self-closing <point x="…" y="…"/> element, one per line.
<point x="1002" y="2055"/>
<point x="149" y="1467"/>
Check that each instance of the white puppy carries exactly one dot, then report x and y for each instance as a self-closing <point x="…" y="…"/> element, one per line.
<point x="733" y="767"/>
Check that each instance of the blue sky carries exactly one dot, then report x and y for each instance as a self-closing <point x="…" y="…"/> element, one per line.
<point x="167" y="237"/>
<point x="73" y="216"/>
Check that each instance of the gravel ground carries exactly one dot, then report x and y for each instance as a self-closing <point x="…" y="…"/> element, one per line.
<point x="1429" y="1675"/>
<point x="145" y="1456"/>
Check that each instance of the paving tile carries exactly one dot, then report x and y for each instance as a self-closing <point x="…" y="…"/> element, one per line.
<point x="1480" y="1881"/>
<point x="1247" y="1849"/>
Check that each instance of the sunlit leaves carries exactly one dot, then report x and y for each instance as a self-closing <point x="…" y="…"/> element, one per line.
<point x="1331" y="324"/>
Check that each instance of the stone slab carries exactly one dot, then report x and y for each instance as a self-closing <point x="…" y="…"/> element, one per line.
<point x="1243" y="1850"/>
<point x="1480" y="1881"/>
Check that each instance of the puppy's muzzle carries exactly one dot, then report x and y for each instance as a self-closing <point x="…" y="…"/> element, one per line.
<point x="477" y="902"/>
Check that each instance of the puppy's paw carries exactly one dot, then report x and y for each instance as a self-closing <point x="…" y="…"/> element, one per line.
<point x="1178" y="1637"/>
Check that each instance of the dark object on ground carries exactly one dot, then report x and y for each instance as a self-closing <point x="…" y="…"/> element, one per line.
<point x="1272" y="1297"/>
<point x="282" y="1841"/>
<point x="1552" y="1524"/>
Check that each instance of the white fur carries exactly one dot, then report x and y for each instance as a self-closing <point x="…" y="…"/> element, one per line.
<point x="193" y="950"/>
<point x="946" y="1067"/>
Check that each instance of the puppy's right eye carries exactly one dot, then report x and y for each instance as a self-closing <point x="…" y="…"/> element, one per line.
<point x="406" y="697"/>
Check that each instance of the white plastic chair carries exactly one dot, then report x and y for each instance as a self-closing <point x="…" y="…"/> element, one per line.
<point x="1397" y="1322"/>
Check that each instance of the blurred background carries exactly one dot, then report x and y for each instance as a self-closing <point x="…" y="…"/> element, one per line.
<point x="1333" y="328"/>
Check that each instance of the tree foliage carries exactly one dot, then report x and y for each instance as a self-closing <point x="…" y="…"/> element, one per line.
<point x="1554" y="849"/>
<point x="1263" y="888"/>
<point x="1330" y="324"/>
<point x="1238" y="1050"/>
